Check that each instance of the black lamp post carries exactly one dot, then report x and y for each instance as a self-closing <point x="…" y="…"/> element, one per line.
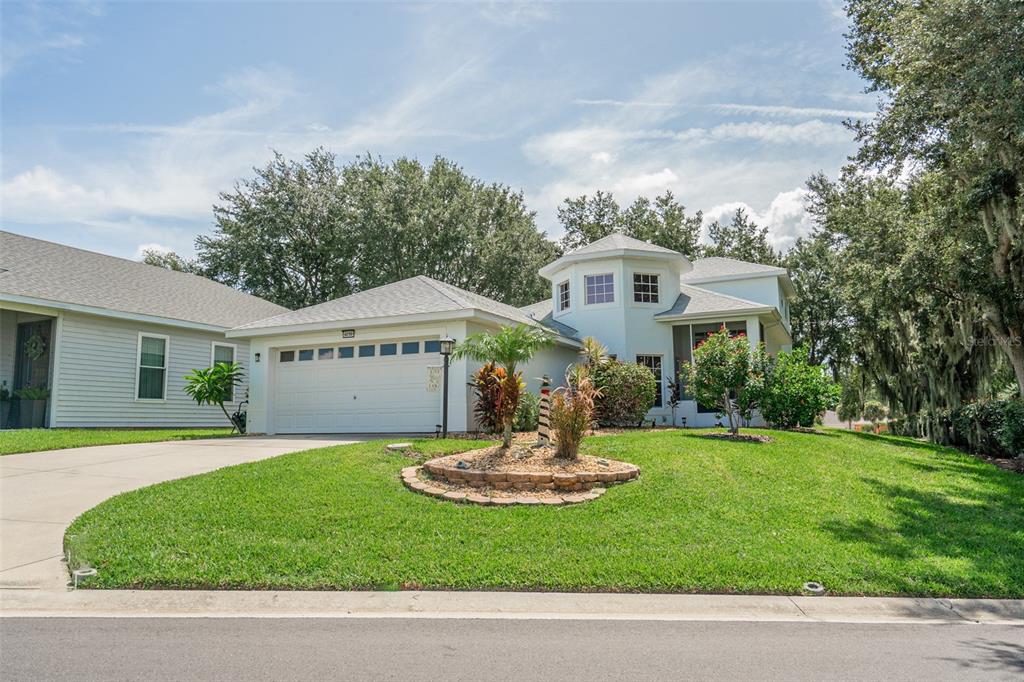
<point x="447" y="346"/>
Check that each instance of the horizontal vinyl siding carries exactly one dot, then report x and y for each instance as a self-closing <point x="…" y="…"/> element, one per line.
<point x="97" y="375"/>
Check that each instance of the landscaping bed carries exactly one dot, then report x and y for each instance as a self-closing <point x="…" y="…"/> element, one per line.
<point x="861" y="514"/>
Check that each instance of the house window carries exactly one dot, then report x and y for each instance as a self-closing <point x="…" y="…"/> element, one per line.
<point x="287" y="356"/>
<point x="367" y="351"/>
<point x="151" y="378"/>
<point x="653" y="363"/>
<point x="432" y="346"/>
<point x="346" y="352"/>
<point x="645" y="288"/>
<point x="563" y="296"/>
<point x="325" y="354"/>
<point x="305" y="354"/>
<point x="224" y="353"/>
<point x="389" y="349"/>
<point x="410" y="347"/>
<point x="600" y="288"/>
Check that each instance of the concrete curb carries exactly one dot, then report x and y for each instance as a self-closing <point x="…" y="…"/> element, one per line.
<point x="505" y="605"/>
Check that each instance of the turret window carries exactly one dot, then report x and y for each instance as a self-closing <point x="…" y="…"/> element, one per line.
<point x="645" y="288"/>
<point x="600" y="288"/>
<point x="563" y="296"/>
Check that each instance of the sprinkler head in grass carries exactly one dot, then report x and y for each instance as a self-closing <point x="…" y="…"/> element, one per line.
<point x="814" y="589"/>
<point x="83" y="573"/>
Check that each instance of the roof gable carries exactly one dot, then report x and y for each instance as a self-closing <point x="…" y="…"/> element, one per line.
<point x="414" y="296"/>
<point x="720" y="267"/>
<point x="693" y="301"/>
<point x="38" y="269"/>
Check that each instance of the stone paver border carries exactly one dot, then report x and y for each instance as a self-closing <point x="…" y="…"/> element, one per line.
<point x="529" y="480"/>
<point x="411" y="479"/>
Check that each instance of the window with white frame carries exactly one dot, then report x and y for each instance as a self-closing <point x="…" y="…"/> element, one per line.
<point x="653" y="363"/>
<point x="151" y="368"/>
<point x="223" y="353"/>
<point x="563" y="296"/>
<point x="600" y="288"/>
<point x="645" y="288"/>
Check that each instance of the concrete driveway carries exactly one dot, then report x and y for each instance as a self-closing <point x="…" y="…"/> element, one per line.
<point x="41" y="493"/>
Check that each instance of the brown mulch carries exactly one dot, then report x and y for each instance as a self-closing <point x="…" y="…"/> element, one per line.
<point x="523" y="457"/>
<point x="738" y="438"/>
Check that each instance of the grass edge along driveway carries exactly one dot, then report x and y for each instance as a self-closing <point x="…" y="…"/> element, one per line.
<point x="17" y="441"/>
<point x="862" y="514"/>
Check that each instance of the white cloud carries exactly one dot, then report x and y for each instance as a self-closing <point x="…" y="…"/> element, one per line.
<point x="141" y="249"/>
<point x="786" y="217"/>
<point x="791" y="112"/>
<point x="515" y="14"/>
<point x="621" y="103"/>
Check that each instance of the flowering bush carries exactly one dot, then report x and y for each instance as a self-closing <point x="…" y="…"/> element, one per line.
<point x="722" y="375"/>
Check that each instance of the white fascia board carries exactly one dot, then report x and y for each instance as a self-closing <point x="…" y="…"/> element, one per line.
<point x="723" y="316"/>
<point x="391" y="320"/>
<point x="776" y="272"/>
<point x="15" y="299"/>
<point x="551" y="269"/>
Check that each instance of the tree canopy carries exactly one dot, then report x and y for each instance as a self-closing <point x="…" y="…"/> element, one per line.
<point x="304" y="232"/>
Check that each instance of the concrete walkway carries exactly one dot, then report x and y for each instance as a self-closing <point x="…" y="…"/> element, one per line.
<point x="41" y="493"/>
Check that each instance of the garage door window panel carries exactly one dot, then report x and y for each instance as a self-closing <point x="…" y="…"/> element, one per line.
<point x="367" y="351"/>
<point x="346" y="352"/>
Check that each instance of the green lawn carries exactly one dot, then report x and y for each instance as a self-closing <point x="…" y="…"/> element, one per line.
<point x="33" y="440"/>
<point x="862" y="514"/>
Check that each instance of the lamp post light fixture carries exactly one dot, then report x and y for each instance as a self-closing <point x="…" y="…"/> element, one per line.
<point x="447" y="347"/>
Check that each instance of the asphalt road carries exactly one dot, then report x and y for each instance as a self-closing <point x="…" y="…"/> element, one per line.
<point x="433" y="649"/>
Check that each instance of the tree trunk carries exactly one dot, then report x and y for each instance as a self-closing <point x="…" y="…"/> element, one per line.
<point x="230" y="420"/>
<point x="506" y="435"/>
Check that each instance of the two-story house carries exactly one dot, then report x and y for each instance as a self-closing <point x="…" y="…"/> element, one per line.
<point x="371" y="361"/>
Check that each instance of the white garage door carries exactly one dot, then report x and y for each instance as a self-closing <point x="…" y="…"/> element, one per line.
<point x="360" y="388"/>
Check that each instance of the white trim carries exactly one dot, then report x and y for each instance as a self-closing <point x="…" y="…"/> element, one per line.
<point x="55" y="347"/>
<point x="234" y="358"/>
<point x="559" y="310"/>
<point x="138" y="366"/>
<point x="615" y="289"/>
<point x="551" y="269"/>
<point x="232" y="346"/>
<point x="632" y="288"/>
<point x="106" y="312"/>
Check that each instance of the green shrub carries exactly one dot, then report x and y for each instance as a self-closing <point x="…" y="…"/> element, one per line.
<point x="626" y="392"/>
<point x="794" y="392"/>
<point x="527" y="413"/>
<point x="1011" y="433"/>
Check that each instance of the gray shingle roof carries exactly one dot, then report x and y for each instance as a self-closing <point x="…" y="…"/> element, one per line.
<point x="416" y="295"/>
<point x="718" y="266"/>
<point x="543" y="312"/>
<point x="696" y="301"/>
<point x="54" y="272"/>
<point x="616" y="241"/>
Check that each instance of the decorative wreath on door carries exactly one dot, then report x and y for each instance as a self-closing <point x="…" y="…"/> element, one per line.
<point x="35" y="347"/>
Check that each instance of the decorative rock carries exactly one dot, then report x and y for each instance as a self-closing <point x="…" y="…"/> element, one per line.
<point x="574" y="499"/>
<point x="495" y="476"/>
<point x="518" y="476"/>
<point x="564" y="480"/>
<point x="586" y="476"/>
<point x="607" y="476"/>
<point x="552" y="500"/>
<point x="540" y="477"/>
<point x="474" y="476"/>
<point x="454" y="496"/>
<point x="503" y="501"/>
<point x="399" y="447"/>
<point x="436" y="492"/>
<point x="478" y="499"/>
<point x="502" y="485"/>
<point x="527" y="500"/>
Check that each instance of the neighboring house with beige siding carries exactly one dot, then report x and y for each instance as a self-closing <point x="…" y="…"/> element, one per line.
<point x="112" y="339"/>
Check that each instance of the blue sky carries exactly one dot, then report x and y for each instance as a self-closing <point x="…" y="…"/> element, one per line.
<point x="121" y="122"/>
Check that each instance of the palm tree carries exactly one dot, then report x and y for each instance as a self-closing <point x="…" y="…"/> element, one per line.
<point x="509" y="347"/>
<point x="594" y="352"/>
